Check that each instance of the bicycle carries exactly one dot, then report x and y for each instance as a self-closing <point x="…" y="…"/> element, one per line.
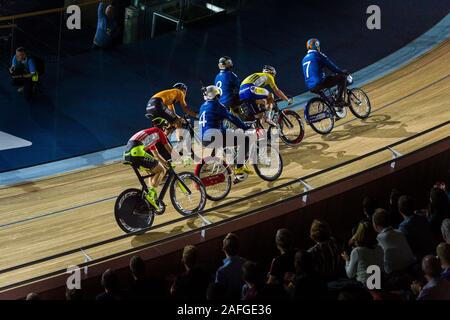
<point x="218" y="176"/>
<point x="134" y="213"/>
<point x="321" y="112"/>
<point x="286" y="122"/>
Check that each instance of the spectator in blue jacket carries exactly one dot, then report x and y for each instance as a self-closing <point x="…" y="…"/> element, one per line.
<point x="314" y="65"/>
<point x="24" y="72"/>
<point x="107" y="27"/>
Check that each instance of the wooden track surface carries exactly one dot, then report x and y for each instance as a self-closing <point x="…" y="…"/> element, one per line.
<point x="44" y="218"/>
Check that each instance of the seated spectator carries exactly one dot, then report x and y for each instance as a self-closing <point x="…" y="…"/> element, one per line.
<point x="33" y="296"/>
<point x="192" y="284"/>
<point x="416" y="229"/>
<point x="24" y="73"/>
<point x="282" y="267"/>
<point x="255" y="288"/>
<point x="110" y="283"/>
<point x="216" y="292"/>
<point x="438" y="210"/>
<point x="142" y="287"/>
<point x="436" y="288"/>
<point x="230" y="273"/>
<point x="369" y="206"/>
<point x="397" y="253"/>
<point x="366" y="253"/>
<point x="107" y="27"/>
<point x="445" y="230"/>
<point x="326" y="253"/>
<point x="307" y="284"/>
<point x="74" y="294"/>
<point x="443" y="253"/>
<point x="395" y="218"/>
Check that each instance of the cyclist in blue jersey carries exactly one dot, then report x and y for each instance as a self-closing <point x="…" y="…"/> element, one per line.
<point x="211" y="116"/>
<point x="228" y="82"/>
<point x="314" y="65"/>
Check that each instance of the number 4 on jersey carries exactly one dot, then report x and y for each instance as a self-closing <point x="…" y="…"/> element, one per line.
<point x="202" y="119"/>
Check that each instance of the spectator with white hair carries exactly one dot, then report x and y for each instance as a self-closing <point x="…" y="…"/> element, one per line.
<point x="436" y="288"/>
<point x="443" y="253"/>
<point x="445" y="229"/>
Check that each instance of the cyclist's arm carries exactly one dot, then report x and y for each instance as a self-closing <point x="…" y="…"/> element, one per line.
<point x="235" y="120"/>
<point x="330" y="64"/>
<point x="280" y="94"/>
<point x="185" y="107"/>
<point x="158" y="157"/>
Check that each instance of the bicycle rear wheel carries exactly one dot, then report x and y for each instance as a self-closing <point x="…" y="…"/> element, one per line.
<point x="132" y="212"/>
<point x="359" y="103"/>
<point x="216" y="177"/>
<point x="188" y="194"/>
<point x="319" y="116"/>
<point x="269" y="166"/>
<point x="292" y="130"/>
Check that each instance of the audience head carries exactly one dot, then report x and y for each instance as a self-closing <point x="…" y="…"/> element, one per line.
<point x="252" y="273"/>
<point x="303" y="262"/>
<point x="110" y="281"/>
<point x="443" y="253"/>
<point x="284" y="240"/>
<point x="445" y="229"/>
<point x="231" y="245"/>
<point x="431" y="267"/>
<point x="21" y="54"/>
<point x="406" y="206"/>
<point x="438" y="202"/>
<point x="380" y="220"/>
<point x="365" y="236"/>
<point x="137" y="267"/>
<point x="216" y="292"/>
<point x="369" y="206"/>
<point x="74" y="294"/>
<point x="320" y="231"/>
<point x="32" y="296"/>
<point x="394" y="196"/>
<point x="190" y="254"/>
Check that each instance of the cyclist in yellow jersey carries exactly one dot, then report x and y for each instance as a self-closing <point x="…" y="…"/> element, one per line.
<point x="253" y="89"/>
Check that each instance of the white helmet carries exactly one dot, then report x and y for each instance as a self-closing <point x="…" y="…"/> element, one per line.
<point x="270" y="69"/>
<point x="212" y="93"/>
<point x="225" y="63"/>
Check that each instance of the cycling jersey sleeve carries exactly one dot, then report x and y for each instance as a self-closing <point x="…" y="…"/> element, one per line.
<point x="235" y="120"/>
<point x="330" y="64"/>
<point x="271" y="82"/>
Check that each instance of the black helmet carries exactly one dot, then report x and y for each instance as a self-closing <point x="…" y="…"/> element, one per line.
<point x="180" y="86"/>
<point x="225" y="63"/>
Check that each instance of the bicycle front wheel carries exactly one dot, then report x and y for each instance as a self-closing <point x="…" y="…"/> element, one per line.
<point x="132" y="212"/>
<point x="216" y="177"/>
<point x="269" y="164"/>
<point x="319" y="116"/>
<point x="359" y="103"/>
<point x="188" y="194"/>
<point x="292" y="130"/>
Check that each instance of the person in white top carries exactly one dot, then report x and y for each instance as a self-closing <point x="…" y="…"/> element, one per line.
<point x="366" y="253"/>
<point x="397" y="252"/>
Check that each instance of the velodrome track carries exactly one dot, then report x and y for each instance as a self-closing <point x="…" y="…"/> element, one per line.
<point x="70" y="211"/>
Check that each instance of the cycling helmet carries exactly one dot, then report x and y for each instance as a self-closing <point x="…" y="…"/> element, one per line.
<point x="270" y="69"/>
<point x="211" y="93"/>
<point x="313" y="44"/>
<point x="160" y="122"/>
<point x="180" y="86"/>
<point x="225" y="63"/>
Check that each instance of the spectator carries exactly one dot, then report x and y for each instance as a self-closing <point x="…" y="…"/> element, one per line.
<point x="282" y="267"/>
<point x="230" y="273"/>
<point x="110" y="283"/>
<point x="397" y="252"/>
<point x="33" y="296"/>
<point x="443" y="253"/>
<point x="24" y="73"/>
<point x="366" y="253"/>
<point x="192" y="284"/>
<point x="438" y="210"/>
<point x="395" y="218"/>
<point x="326" y="253"/>
<point x="436" y="287"/>
<point x="307" y="285"/>
<point x="445" y="230"/>
<point x="142" y="287"/>
<point x="216" y="292"/>
<point x="369" y="206"/>
<point x="74" y="294"/>
<point x="107" y="27"/>
<point x="416" y="229"/>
